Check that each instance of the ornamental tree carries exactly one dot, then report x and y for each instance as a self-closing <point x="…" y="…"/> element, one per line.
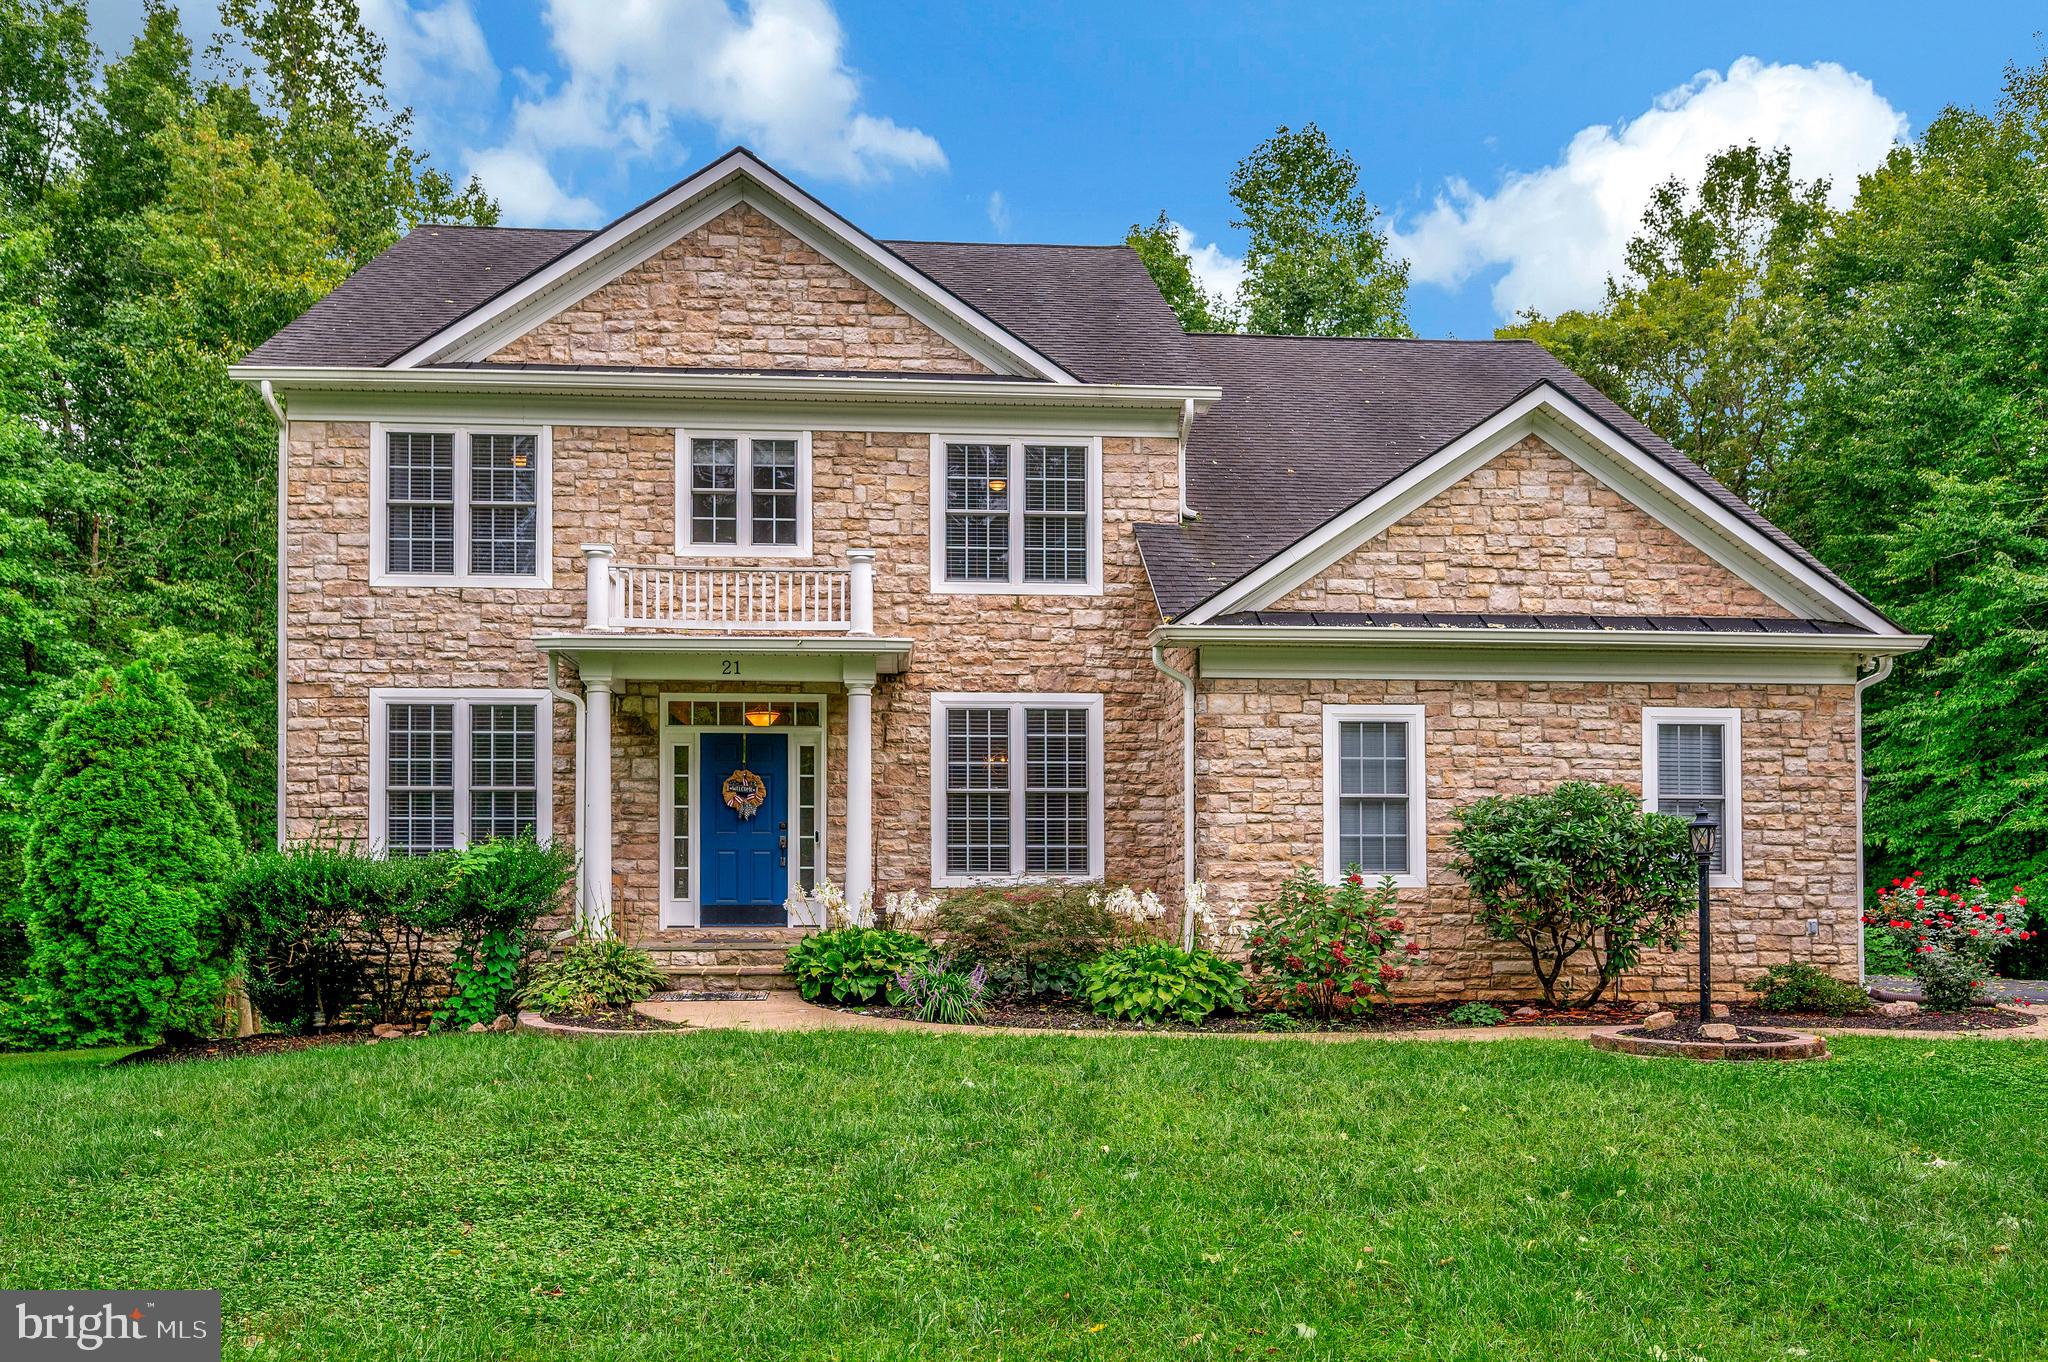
<point x="131" y="841"/>
<point x="1578" y="874"/>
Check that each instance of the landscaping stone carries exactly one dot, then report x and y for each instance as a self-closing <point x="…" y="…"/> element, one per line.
<point x="1526" y="1011"/>
<point x="1721" y="1031"/>
<point x="1660" y="1021"/>
<point x="1717" y="1010"/>
<point x="504" y="1022"/>
<point x="1900" y="1009"/>
<point x="385" y="1030"/>
<point x="1647" y="1009"/>
<point x="478" y="1026"/>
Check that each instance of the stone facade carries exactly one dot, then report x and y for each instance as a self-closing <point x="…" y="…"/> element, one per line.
<point x="1531" y="533"/>
<point x="1259" y="807"/>
<point x="739" y="293"/>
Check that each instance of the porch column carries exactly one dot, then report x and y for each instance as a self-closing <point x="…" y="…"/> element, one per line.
<point x="597" y="800"/>
<point x="860" y="772"/>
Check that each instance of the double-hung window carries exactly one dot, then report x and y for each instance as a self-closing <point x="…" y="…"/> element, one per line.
<point x="1692" y="760"/>
<point x="1017" y="515"/>
<point x="743" y="495"/>
<point x="459" y="507"/>
<point x="452" y="768"/>
<point x="1016" y="788"/>
<point x="1374" y="812"/>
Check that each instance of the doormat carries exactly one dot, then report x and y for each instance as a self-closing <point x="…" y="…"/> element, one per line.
<point x="711" y="995"/>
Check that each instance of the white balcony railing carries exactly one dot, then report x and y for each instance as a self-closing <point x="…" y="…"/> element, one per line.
<point x="776" y="600"/>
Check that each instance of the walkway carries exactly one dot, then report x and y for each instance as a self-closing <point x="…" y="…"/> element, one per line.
<point x="2005" y="990"/>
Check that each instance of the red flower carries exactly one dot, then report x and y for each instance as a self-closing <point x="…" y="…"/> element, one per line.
<point x="1975" y="880"/>
<point x="1358" y="988"/>
<point x="1413" y="949"/>
<point x="1354" y="879"/>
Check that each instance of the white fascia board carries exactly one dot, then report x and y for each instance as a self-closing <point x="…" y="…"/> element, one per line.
<point x="1331" y="635"/>
<point x="656" y="224"/>
<point x="1544" y="410"/>
<point x="650" y="641"/>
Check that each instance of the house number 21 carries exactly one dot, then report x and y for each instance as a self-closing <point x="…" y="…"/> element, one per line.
<point x="729" y="666"/>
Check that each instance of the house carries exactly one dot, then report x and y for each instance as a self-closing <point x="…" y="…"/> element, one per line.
<point x="745" y="550"/>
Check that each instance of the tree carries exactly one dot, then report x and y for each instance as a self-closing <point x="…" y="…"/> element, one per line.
<point x="1579" y="870"/>
<point x="1166" y="260"/>
<point x="1704" y="337"/>
<point x="1317" y="263"/>
<point x="130" y="847"/>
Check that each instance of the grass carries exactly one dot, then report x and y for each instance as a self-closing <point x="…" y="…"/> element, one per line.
<point x="884" y="1196"/>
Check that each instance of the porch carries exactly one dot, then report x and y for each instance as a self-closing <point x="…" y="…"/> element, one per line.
<point x="724" y="744"/>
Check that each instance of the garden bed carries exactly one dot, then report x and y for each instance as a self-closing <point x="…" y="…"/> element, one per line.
<point x="1070" y="1014"/>
<point x="610" y="1019"/>
<point x="238" y="1047"/>
<point x="1976" y="1019"/>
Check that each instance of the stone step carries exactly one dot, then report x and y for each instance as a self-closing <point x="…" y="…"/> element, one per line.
<point x="766" y="977"/>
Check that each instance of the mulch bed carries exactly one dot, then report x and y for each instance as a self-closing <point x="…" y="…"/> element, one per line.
<point x="240" y="1046"/>
<point x="613" y="1019"/>
<point x="1688" y="1029"/>
<point x="1071" y="1014"/>
<point x="1976" y="1019"/>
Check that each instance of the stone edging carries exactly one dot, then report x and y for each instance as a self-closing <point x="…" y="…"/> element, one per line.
<point x="1796" y="1045"/>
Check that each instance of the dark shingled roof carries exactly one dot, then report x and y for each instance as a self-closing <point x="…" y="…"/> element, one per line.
<point x="1310" y="426"/>
<point x="431" y="277"/>
<point x="1394" y="621"/>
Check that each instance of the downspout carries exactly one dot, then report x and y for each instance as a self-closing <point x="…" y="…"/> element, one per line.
<point x="283" y="457"/>
<point x="1187" y="791"/>
<point x="1878" y="673"/>
<point x="1187" y="423"/>
<point x="575" y="704"/>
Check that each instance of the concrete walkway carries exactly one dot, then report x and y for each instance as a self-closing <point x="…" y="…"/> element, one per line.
<point x="787" y="1012"/>
<point x="2005" y="990"/>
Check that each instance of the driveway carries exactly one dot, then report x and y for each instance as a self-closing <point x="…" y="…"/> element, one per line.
<point x="2004" y="990"/>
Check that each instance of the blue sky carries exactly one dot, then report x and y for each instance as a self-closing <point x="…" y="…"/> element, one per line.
<point x="1510" y="145"/>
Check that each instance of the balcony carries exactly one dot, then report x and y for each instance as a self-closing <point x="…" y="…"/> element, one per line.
<point x="766" y="600"/>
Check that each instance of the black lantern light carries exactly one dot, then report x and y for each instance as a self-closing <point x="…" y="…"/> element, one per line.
<point x="1705" y="831"/>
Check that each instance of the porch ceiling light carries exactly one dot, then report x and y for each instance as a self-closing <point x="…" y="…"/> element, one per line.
<point x="762" y="716"/>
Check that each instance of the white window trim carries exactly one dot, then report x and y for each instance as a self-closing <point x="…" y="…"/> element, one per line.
<point x="1731" y="774"/>
<point x="745" y="546"/>
<point x="380" y="489"/>
<point x="382" y="697"/>
<point x="1016" y="585"/>
<point x="1016" y="702"/>
<point x="1334" y="716"/>
<point x="682" y="912"/>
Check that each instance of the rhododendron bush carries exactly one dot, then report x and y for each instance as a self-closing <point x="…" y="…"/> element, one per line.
<point x="1950" y="935"/>
<point x="1325" y="948"/>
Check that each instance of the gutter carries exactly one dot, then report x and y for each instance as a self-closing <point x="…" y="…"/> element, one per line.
<point x="269" y="397"/>
<point x="575" y="703"/>
<point x="1863" y="683"/>
<point x="1327" y="635"/>
<point x="1187" y="789"/>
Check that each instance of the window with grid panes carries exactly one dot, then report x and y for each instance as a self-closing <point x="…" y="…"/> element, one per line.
<point x="977" y="513"/>
<point x="457" y="771"/>
<point x="420" y="496"/>
<point x="1692" y="774"/>
<point x="1020" y="792"/>
<point x="504" y="504"/>
<point x="1372" y="797"/>
<point x="1016" y="512"/>
<point x="464" y="505"/>
<point x="744" y="492"/>
<point x="419" y="778"/>
<point x="978" y="791"/>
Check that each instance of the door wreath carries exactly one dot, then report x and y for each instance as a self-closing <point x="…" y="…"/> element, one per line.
<point x="744" y="793"/>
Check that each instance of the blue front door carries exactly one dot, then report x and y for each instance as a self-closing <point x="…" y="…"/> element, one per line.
<point x="743" y="876"/>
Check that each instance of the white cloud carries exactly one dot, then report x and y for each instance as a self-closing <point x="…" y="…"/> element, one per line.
<point x="998" y="212"/>
<point x="774" y="77"/>
<point x="527" y="192"/>
<point x="1561" y="230"/>
<point x="432" y="56"/>
<point x="1220" y="275"/>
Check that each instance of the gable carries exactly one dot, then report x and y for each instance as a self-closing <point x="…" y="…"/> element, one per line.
<point x="1530" y="532"/>
<point x="739" y="292"/>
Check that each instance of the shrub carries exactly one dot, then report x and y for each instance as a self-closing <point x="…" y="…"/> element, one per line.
<point x="853" y="964"/>
<point x="594" y="973"/>
<point x="1884" y="954"/>
<point x="940" y="989"/>
<point x="1580" y="869"/>
<point x="1153" y="982"/>
<point x="1802" y="988"/>
<point x="1477" y="1014"/>
<point x="1951" y="936"/>
<point x="1033" y="940"/>
<point x="492" y="898"/>
<point x="1327" y="948"/>
<point x="131" y="840"/>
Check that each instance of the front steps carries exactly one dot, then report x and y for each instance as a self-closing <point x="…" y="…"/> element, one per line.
<point x="719" y="958"/>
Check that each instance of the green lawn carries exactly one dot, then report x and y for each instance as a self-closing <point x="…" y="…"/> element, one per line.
<point x="861" y="1195"/>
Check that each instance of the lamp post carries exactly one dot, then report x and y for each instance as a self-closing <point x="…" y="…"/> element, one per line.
<point x="1705" y="830"/>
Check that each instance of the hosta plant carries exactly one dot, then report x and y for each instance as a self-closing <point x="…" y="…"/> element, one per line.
<point x="595" y="973"/>
<point x="853" y="964"/>
<point x="1950" y="935"/>
<point x="1154" y="982"/>
<point x="1326" y="948"/>
<point x="940" y="988"/>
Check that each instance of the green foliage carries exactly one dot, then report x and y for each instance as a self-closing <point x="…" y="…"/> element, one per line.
<point x="1884" y="955"/>
<point x="941" y="988"/>
<point x="1579" y="869"/>
<point x="130" y="846"/>
<point x="1161" y="247"/>
<point x="853" y="964"/>
<point x="1032" y="940"/>
<point x="1477" y="1014"/>
<point x="594" y="973"/>
<point x="1802" y="988"/>
<point x="1326" y="948"/>
<point x="492" y="897"/>
<point x="1155" y="982"/>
